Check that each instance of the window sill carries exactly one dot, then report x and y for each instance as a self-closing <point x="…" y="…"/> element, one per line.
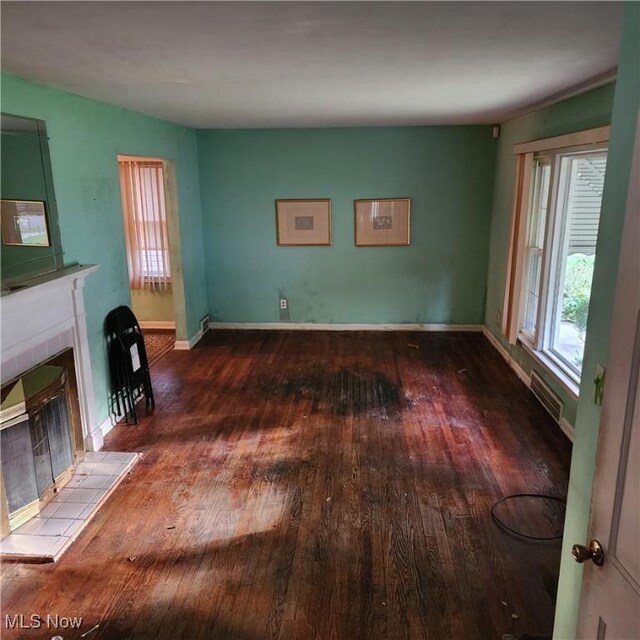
<point x="567" y="383"/>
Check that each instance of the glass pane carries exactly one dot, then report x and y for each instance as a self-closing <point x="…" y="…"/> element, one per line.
<point x="580" y="215"/>
<point x="535" y="245"/>
<point x="534" y="264"/>
<point x="18" y="469"/>
<point x="41" y="453"/>
<point x="154" y="262"/>
<point x="57" y="418"/>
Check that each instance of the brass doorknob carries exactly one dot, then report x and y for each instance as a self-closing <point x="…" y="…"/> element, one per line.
<point x="593" y="552"/>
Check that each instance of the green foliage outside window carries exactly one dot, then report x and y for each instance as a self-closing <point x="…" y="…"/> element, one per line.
<point x="577" y="290"/>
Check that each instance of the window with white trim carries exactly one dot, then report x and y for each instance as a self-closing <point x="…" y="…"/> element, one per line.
<point x="556" y="220"/>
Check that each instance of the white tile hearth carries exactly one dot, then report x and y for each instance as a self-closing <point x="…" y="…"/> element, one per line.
<point x="78" y="494"/>
<point x="47" y="536"/>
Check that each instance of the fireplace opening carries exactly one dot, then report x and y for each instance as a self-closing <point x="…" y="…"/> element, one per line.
<point x="40" y="437"/>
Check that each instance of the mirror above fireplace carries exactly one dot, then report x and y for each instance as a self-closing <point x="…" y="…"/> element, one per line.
<point x="31" y="242"/>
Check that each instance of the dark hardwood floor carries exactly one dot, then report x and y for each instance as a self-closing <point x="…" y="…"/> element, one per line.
<point x="317" y="486"/>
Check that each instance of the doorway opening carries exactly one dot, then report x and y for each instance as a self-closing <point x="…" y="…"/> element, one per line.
<point x="149" y="210"/>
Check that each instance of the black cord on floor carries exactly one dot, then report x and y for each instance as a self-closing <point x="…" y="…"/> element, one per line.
<point x="515" y="532"/>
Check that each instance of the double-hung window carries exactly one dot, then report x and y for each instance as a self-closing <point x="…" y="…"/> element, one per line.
<point x="556" y="219"/>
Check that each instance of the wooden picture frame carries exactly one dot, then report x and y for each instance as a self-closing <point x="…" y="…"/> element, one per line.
<point x="382" y="222"/>
<point x="24" y="223"/>
<point x="305" y="222"/>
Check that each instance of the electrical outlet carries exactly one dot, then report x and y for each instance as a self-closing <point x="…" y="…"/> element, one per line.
<point x="283" y="303"/>
<point x="498" y="318"/>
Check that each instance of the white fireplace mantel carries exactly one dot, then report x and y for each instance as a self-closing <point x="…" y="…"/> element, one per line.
<point x="42" y="318"/>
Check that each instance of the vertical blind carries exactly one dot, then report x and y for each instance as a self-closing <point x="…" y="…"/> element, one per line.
<point x="145" y="224"/>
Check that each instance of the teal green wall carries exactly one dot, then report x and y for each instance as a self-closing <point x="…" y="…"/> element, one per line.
<point x="589" y="110"/>
<point x="85" y="138"/>
<point x="617" y="182"/>
<point x="446" y="171"/>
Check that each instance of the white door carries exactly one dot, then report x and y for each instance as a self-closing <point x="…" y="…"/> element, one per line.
<point x="610" y="605"/>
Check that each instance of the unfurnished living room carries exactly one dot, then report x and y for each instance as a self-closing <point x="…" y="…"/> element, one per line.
<point x="320" y="320"/>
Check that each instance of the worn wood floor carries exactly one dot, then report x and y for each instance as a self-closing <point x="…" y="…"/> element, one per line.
<point x="317" y="486"/>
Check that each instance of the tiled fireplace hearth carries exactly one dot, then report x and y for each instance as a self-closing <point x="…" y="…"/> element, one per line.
<point x="46" y="537"/>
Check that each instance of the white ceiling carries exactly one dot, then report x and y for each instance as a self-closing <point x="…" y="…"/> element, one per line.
<point x="292" y="64"/>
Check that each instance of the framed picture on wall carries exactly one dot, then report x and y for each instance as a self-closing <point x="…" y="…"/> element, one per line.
<point x="303" y="222"/>
<point x="382" y="222"/>
<point x="24" y="223"/>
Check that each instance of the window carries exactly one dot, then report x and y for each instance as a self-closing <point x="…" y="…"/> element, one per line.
<point x="573" y="248"/>
<point x="556" y="218"/>
<point x="145" y="223"/>
<point x="535" y="245"/>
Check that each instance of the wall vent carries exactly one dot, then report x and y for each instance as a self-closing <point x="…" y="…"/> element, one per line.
<point x="548" y="398"/>
<point x="204" y="324"/>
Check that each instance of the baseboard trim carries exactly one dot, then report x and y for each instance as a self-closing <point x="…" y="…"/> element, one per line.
<point x="186" y="345"/>
<point x="157" y="324"/>
<point x="95" y="440"/>
<point x="507" y="357"/>
<point x="324" y="326"/>
<point x="567" y="428"/>
<point x="565" y="425"/>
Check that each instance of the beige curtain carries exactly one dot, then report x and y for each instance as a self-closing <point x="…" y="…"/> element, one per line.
<point x="145" y="224"/>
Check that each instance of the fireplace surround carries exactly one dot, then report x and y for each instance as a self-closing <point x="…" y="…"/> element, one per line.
<point x="43" y="321"/>
<point x="40" y="437"/>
